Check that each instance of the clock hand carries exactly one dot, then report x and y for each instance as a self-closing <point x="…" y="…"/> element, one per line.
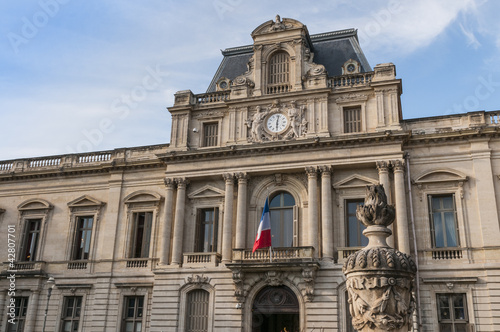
<point x="277" y="121"/>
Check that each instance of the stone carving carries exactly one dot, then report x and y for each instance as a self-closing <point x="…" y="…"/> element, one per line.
<point x="274" y="278"/>
<point x="296" y="128"/>
<point x="375" y="211"/>
<point x="278" y="25"/>
<point x="256" y="124"/>
<point x="311" y="68"/>
<point x="298" y="123"/>
<point x="379" y="278"/>
<point x="197" y="280"/>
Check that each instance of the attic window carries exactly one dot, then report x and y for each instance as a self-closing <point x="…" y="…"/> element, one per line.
<point x="279" y="73"/>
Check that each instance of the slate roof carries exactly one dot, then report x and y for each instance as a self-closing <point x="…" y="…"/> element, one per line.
<point x="331" y="49"/>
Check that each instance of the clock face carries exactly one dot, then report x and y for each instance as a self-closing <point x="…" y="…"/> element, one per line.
<point x="277" y="122"/>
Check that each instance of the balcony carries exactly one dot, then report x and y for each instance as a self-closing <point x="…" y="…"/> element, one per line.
<point x="201" y="259"/>
<point x="24" y="268"/>
<point x="444" y="253"/>
<point x="344" y="252"/>
<point x="285" y="258"/>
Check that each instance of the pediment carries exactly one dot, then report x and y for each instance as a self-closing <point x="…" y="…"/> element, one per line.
<point x="143" y="196"/>
<point x="34" y="204"/>
<point x="85" y="201"/>
<point x="355" y="181"/>
<point x="207" y="191"/>
<point x="440" y="175"/>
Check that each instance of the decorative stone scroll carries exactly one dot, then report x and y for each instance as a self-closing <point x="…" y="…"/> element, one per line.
<point x="379" y="278"/>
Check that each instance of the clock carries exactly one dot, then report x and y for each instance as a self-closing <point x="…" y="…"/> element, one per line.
<point x="277" y="123"/>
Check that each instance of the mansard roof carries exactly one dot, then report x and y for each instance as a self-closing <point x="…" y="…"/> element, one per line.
<point x="331" y="49"/>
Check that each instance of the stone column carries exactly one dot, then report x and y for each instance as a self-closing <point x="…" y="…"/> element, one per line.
<point x="227" y="232"/>
<point x="32" y="311"/>
<point x="179" y="221"/>
<point x="312" y="186"/>
<point x="326" y="212"/>
<point x="241" y="213"/>
<point x="400" y="200"/>
<point x="167" y="222"/>
<point x="383" y="175"/>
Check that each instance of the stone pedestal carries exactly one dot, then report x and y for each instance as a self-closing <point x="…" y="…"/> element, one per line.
<point x="379" y="278"/>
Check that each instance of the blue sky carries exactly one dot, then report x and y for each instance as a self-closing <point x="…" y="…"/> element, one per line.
<point x="79" y="76"/>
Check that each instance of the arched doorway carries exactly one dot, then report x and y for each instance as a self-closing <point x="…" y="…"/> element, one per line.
<point x="275" y="309"/>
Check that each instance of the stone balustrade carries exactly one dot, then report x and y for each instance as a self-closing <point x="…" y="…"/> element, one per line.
<point x="278" y="254"/>
<point x="82" y="160"/>
<point x="201" y="259"/>
<point x="350" y="80"/>
<point x="212" y="97"/>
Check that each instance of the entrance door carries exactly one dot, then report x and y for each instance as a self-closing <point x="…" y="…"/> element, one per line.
<point x="275" y="309"/>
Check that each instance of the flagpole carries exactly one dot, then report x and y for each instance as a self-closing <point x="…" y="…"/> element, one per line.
<point x="271" y="246"/>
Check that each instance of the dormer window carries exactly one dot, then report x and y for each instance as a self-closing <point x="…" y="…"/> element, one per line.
<point x="279" y="73"/>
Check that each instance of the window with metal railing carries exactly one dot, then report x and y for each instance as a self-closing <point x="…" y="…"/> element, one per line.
<point x="279" y="73"/>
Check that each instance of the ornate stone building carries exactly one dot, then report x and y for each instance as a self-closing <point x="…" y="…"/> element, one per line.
<point x="159" y="238"/>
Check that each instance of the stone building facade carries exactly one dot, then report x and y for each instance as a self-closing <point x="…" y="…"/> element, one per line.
<point x="159" y="238"/>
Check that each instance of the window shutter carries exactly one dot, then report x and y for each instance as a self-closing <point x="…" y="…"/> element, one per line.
<point x="431" y="221"/>
<point x="295" y="226"/>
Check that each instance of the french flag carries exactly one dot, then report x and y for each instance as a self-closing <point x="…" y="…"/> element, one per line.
<point x="263" y="239"/>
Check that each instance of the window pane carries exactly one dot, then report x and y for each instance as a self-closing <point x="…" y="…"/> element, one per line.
<point x="354" y="227"/>
<point x="275" y="202"/>
<point x="67" y="327"/>
<point x="445" y="327"/>
<point x="438" y="231"/>
<point x="288" y="200"/>
<point x="287" y="228"/>
<point x="451" y="238"/>
<point x="129" y="327"/>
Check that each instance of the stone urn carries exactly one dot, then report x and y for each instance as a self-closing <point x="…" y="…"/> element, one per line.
<point x="379" y="278"/>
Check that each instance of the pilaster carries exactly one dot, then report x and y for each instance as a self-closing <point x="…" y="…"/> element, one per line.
<point x="179" y="221"/>
<point x="227" y="232"/>
<point x="326" y="212"/>
<point x="166" y="227"/>
<point x="401" y="213"/>
<point x="241" y="213"/>
<point x="312" y="186"/>
<point x="384" y="180"/>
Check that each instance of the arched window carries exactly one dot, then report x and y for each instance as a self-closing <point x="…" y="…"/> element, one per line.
<point x="281" y="210"/>
<point x="279" y="73"/>
<point x="197" y="311"/>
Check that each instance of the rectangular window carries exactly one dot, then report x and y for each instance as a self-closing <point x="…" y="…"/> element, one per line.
<point x="207" y="230"/>
<point x="20" y="310"/>
<point x="83" y="235"/>
<point x="70" y="317"/>
<point x="210" y="134"/>
<point x="31" y="239"/>
<point x="354" y="227"/>
<point x="133" y="312"/>
<point x="352" y="119"/>
<point x="452" y="312"/>
<point x="141" y="236"/>
<point x="443" y="220"/>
